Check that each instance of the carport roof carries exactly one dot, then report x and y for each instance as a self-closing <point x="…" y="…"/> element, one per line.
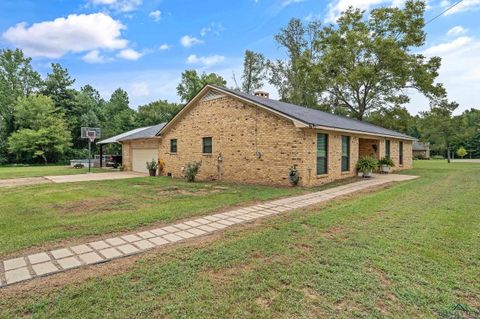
<point x="138" y="133"/>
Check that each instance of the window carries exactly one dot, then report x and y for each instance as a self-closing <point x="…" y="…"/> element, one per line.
<point x="400" y="153"/>
<point x="345" y="153"/>
<point x="387" y="148"/>
<point x="322" y="153"/>
<point x="207" y="145"/>
<point x="173" y="145"/>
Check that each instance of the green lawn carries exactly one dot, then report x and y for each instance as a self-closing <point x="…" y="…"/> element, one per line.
<point x="36" y="171"/>
<point x="411" y="250"/>
<point x="46" y="213"/>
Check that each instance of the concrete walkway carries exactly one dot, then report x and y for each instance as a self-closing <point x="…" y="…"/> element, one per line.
<point x="50" y="262"/>
<point x="13" y="182"/>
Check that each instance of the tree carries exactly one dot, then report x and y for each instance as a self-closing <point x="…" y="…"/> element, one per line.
<point x="156" y="112"/>
<point x="90" y="106"/>
<point x="366" y="63"/>
<point x="42" y="130"/>
<point x="439" y="126"/>
<point x="396" y="118"/>
<point x="118" y="116"/>
<point x="253" y="71"/>
<point x="17" y="79"/>
<point x="192" y="83"/>
<point x="462" y="152"/>
<point x="291" y="77"/>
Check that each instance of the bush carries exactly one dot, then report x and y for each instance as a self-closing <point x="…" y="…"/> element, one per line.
<point x="152" y="165"/>
<point x="191" y="170"/>
<point x="367" y="164"/>
<point x="386" y="161"/>
<point x="293" y="176"/>
<point x="438" y="157"/>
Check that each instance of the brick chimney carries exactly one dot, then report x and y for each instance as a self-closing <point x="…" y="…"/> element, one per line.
<point x="262" y="94"/>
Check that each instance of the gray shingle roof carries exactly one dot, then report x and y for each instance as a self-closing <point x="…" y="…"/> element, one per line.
<point x="419" y="146"/>
<point x="138" y="133"/>
<point x="315" y="117"/>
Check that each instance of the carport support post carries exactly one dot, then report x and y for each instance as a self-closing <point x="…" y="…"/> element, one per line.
<point x="101" y="155"/>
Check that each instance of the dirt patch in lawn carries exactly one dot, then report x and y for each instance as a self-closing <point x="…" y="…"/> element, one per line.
<point x="174" y="190"/>
<point x="95" y="205"/>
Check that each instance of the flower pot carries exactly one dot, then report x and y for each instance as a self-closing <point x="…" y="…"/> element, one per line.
<point x="293" y="179"/>
<point x="152" y="172"/>
<point x="385" y="169"/>
<point x="367" y="174"/>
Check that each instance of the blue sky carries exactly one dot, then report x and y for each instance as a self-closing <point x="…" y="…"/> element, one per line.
<point x="144" y="45"/>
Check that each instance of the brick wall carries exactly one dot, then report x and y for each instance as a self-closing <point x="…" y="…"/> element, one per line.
<point x="256" y="146"/>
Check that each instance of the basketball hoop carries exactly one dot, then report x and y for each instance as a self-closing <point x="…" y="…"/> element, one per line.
<point x="91" y="135"/>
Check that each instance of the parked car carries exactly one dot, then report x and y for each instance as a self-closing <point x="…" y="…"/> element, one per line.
<point x="114" y="161"/>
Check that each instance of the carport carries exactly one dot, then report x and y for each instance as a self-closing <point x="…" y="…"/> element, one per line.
<point x="138" y="146"/>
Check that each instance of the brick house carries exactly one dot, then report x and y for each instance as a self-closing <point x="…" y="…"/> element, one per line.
<point x="247" y="138"/>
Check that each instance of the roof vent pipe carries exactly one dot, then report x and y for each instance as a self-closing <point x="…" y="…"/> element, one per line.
<point x="262" y="94"/>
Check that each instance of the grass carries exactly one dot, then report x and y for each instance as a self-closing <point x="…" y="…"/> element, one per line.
<point x="407" y="251"/>
<point x="7" y="172"/>
<point x="46" y="213"/>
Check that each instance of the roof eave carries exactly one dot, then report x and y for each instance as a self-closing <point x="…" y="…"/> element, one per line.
<point x="336" y="129"/>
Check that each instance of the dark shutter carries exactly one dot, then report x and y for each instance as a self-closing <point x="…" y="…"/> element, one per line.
<point x="322" y="153"/>
<point x="400" y="153"/>
<point x="345" y="153"/>
<point x="387" y="148"/>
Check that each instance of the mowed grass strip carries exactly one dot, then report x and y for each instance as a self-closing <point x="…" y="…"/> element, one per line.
<point x="42" y="214"/>
<point x="407" y="251"/>
<point x="8" y="172"/>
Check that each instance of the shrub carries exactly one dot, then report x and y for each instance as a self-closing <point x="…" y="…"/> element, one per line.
<point x="462" y="152"/>
<point x="438" y="157"/>
<point x="293" y="176"/>
<point x="191" y="170"/>
<point x="152" y="165"/>
<point x="367" y="164"/>
<point x="386" y="161"/>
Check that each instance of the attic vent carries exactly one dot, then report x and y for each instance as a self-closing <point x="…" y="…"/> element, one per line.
<point x="212" y="95"/>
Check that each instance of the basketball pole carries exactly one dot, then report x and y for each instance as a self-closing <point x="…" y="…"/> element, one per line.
<point x="89" y="154"/>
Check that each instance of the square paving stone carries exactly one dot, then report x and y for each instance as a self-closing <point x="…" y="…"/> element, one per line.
<point x="146" y="234"/>
<point x="226" y="222"/>
<point x="207" y="228"/>
<point x="158" y="232"/>
<point x="144" y="244"/>
<point x="131" y="238"/>
<point x="196" y="231"/>
<point x="182" y="226"/>
<point x="81" y="249"/>
<point x="110" y="253"/>
<point x="235" y="220"/>
<point x="192" y="223"/>
<point x="185" y="234"/>
<point x="211" y="218"/>
<point x="99" y="245"/>
<point x="170" y="229"/>
<point x="172" y="237"/>
<point x="90" y="258"/>
<point x="61" y="253"/>
<point x="14" y="263"/>
<point x="44" y="268"/>
<point x="38" y="258"/>
<point x="128" y="249"/>
<point x="17" y="275"/>
<point x="158" y="241"/>
<point x="68" y="263"/>
<point x="202" y="221"/>
<point x="115" y="241"/>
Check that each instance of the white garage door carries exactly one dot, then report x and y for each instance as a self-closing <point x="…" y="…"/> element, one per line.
<point x="141" y="156"/>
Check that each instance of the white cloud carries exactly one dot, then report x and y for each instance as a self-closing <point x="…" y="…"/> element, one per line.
<point x="140" y="89"/>
<point x="129" y="54"/>
<point x="94" y="57"/>
<point x="289" y="2"/>
<point x="336" y="7"/>
<point x="188" y="41"/>
<point x="118" y="5"/>
<point x="205" y="60"/>
<point x="165" y="47"/>
<point x="447" y="47"/>
<point x="156" y="15"/>
<point x="465" y="5"/>
<point x="457" y="30"/>
<point x="214" y="28"/>
<point x="75" y="33"/>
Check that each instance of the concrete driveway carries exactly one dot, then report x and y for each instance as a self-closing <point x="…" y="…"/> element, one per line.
<point x="68" y="178"/>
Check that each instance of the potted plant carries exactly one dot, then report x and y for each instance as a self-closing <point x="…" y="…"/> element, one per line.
<point x="385" y="164"/>
<point x="366" y="165"/>
<point x="152" y="167"/>
<point x="191" y="170"/>
<point x="293" y="176"/>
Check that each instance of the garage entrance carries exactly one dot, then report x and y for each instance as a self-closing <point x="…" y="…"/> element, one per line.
<point x="141" y="156"/>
